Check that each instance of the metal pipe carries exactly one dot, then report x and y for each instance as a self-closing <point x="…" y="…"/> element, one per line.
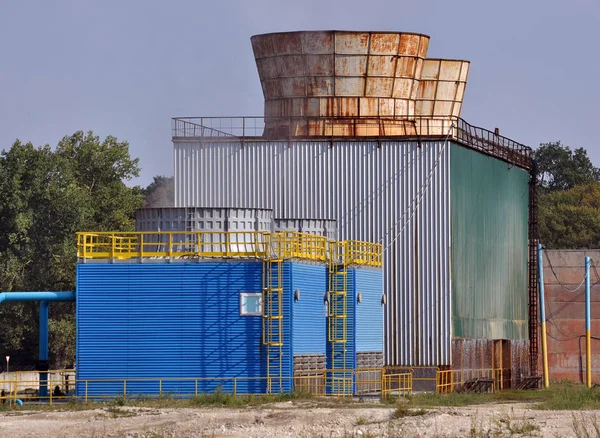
<point x="45" y="298"/>
<point x="43" y="355"/>
<point x="543" y="315"/>
<point x="37" y="296"/>
<point x="588" y="337"/>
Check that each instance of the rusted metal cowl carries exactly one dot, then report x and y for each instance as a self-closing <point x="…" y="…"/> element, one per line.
<point x="345" y="83"/>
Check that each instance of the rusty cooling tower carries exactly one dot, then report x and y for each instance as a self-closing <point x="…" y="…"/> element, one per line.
<point x="339" y="83"/>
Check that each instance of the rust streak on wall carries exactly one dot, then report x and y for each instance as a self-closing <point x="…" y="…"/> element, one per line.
<point x="565" y="313"/>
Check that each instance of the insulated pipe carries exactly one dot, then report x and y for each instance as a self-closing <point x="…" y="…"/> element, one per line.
<point x="37" y="296"/>
<point x="44" y="298"/>
<point x="588" y="336"/>
<point x="43" y="356"/>
<point x="543" y="314"/>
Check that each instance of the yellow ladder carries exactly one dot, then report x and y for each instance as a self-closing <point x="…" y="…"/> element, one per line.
<point x="272" y="321"/>
<point x="337" y="330"/>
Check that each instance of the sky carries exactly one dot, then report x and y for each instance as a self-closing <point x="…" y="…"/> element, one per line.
<point x="125" y="68"/>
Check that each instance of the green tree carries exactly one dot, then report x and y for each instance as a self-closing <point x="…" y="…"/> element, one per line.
<point x="47" y="196"/>
<point x="560" y="168"/>
<point x="570" y="219"/>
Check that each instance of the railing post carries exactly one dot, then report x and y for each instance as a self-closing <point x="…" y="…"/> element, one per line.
<point x="112" y="246"/>
<point x="86" y="391"/>
<point x="124" y="388"/>
<point x="160" y="387"/>
<point x="49" y="383"/>
<point x="141" y="245"/>
<point x="196" y="387"/>
<point x="234" y="386"/>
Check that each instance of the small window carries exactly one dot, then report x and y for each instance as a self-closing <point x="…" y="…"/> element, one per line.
<point x="250" y="304"/>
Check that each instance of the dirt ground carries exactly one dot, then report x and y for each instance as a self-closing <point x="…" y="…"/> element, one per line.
<point x="298" y="419"/>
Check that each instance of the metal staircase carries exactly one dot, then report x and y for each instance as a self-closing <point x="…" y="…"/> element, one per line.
<point x="340" y="381"/>
<point x="272" y="321"/>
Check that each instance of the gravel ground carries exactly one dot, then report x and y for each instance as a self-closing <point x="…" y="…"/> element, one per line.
<point x="296" y="419"/>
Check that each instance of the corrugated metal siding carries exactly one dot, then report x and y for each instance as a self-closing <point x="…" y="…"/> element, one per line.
<point x="369" y="312"/>
<point x="171" y="320"/>
<point x="308" y="329"/>
<point x="371" y="190"/>
<point x="350" y="359"/>
<point x="287" y="361"/>
<point x="489" y="247"/>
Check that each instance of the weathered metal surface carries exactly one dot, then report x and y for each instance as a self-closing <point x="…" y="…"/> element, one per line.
<point x="489" y="247"/>
<point x="565" y="313"/>
<point x="228" y="129"/>
<point x="395" y="192"/>
<point x="319" y="227"/>
<point x="441" y="88"/>
<point x="533" y="272"/>
<point x="507" y="361"/>
<point x="203" y="219"/>
<point x="337" y="74"/>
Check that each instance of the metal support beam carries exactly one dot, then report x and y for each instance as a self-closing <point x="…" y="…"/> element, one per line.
<point x="588" y="325"/>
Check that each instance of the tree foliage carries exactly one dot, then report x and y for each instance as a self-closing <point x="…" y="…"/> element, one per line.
<point x="46" y="197"/>
<point x="560" y="168"/>
<point x="570" y="219"/>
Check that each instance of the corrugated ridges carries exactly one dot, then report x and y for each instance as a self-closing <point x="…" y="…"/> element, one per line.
<point x="169" y="321"/>
<point x="309" y="311"/>
<point x="369" y="312"/>
<point x="489" y="247"/>
<point x="372" y="189"/>
<point x="350" y="324"/>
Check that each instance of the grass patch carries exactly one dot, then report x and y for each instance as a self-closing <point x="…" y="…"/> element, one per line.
<point x="361" y="421"/>
<point x="560" y="396"/>
<point x="570" y="397"/>
<point x="117" y="412"/>
<point x="404" y="410"/>
<point x="516" y="427"/>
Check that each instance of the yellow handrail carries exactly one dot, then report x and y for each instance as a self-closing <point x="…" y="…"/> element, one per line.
<point x="233" y="244"/>
<point x="358" y="381"/>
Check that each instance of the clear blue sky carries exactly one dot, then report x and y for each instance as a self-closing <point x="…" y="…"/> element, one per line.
<point x="126" y="67"/>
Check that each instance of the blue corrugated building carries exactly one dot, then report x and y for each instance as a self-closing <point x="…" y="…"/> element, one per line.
<point x="186" y="325"/>
<point x="355" y="336"/>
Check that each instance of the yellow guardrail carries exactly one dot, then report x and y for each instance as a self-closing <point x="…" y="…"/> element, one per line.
<point x="448" y="381"/>
<point x="243" y="244"/>
<point x="330" y="383"/>
<point x="355" y="252"/>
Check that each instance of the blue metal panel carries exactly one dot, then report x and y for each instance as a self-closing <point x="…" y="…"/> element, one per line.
<point x="369" y="312"/>
<point x="287" y="349"/>
<point x="178" y="320"/>
<point x="350" y="325"/>
<point x="309" y="312"/>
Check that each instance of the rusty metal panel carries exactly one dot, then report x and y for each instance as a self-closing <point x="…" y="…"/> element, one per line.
<point x="441" y="87"/>
<point x="565" y="311"/>
<point x="336" y="74"/>
<point x="332" y="65"/>
<point x="394" y="192"/>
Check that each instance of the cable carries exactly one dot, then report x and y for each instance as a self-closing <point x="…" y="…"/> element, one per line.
<point x="420" y="196"/>
<point x="556" y="276"/>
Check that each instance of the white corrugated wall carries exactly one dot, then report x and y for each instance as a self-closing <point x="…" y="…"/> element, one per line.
<point x="396" y="193"/>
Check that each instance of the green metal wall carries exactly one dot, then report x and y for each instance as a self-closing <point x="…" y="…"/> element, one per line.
<point x="489" y="214"/>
